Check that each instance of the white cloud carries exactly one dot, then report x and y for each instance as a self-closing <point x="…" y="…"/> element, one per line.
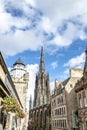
<point x="55" y="14"/>
<point x="5" y="19"/>
<point x="77" y="61"/>
<point x="46" y="25"/>
<point x="9" y="69"/>
<point x="58" y="10"/>
<point x="54" y="64"/>
<point x="72" y="33"/>
<point x="52" y="85"/>
<point x="32" y="69"/>
<point x="17" y="42"/>
<point x="31" y="2"/>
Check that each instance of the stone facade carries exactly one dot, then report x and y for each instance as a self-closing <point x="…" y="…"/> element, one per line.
<point x="81" y="90"/>
<point x="7" y="89"/>
<point x="20" y="78"/>
<point x="41" y="117"/>
<point x="58" y="107"/>
<point x="64" y="104"/>
<point x="41" y="111"/>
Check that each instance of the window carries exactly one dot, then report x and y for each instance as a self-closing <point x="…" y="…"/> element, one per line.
<point x="61" y="99"/>
<point x="71" y="85"/>
<point x="52" y="113"/>
<point x="56" y="112"/>
<point x="62" y="111"/>
<point x="63" y="123"/>
<point x="55" y="122"/>
<point x="57" y="100"/>
<point x="80" y="100"/>
<point x="54" y="103"/>
<point x="85" y="100"/>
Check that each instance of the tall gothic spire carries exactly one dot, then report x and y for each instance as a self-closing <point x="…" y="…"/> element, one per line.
<point x="42" y="90"/>
<point x="85" y="67"/>
<point x="42" y="66"/>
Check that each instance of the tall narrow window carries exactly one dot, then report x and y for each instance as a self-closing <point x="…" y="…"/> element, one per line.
<point x="85" y="99"/>
<point x="80" y="100"/>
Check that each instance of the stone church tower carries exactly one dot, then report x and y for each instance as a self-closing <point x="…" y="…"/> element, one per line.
<point x="20" y="78"/>
<point x="42" y="90"/>
<point x="40" y="113"/>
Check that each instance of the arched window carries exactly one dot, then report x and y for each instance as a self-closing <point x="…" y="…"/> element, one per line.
<point x="41" y="119"/>
<point x="45" y="114"/>
<point x="37" y="118"/>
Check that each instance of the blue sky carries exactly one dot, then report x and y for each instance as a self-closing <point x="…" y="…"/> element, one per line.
<point x="59" y="26"/>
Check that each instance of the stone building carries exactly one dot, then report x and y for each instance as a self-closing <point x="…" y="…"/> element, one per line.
<point x="20" y="78"/>
<point x="64" y="104"/>
<point x="81" y="90"/>
<point x="7" y="89"/>
<point x="41" y="111"/>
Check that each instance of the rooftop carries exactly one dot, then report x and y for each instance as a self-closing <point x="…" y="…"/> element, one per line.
<point x="19" y="61"/>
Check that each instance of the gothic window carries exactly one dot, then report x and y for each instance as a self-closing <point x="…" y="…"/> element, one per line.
<point x="46" y="82"/>
<point x="52" y="113"/>
<point x="62" y="111"/>
<point x="55" y="122"/>
<point x="54" y="102"/>
<point x="59" y="111"/>
<point x="61" y="99"/>
<point x="34" y="116"/>
<point x="57" y="100"/>
<point x="52" y="123"/>
<point x="41" y="119"/>
<point x="37" y="118"/>
<point x="80" y="100"/>
<point x="45" y="118"/>
<point x="85" y="100"/>
<point x="63" y="123"/>
<point x="56" y="112"/>
<point x="59" y="123"/>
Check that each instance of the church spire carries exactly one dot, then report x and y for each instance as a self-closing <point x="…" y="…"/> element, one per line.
<point x="42" y="66"/>
<point x="85" y="67"/>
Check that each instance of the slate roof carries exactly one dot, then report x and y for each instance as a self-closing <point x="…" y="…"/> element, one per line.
<point x="19" y="61"/>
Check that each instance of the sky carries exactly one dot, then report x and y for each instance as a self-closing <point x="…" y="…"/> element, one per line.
<point x="59" y="26"/>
